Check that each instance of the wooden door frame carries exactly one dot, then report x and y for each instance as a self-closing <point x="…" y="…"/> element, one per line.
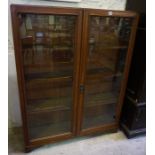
<point x="15" y="10"/>
<point x="84" y="56"/>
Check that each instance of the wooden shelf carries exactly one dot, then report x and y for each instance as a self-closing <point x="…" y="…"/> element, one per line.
<point x="37" y="119"/>
<point x="49" y="129"/>
<point x="48" y="67"/>
<point x="101" y="115"/>
<point x="44" y="105"/>
<point x="50" y="104"/>
<point x="102" y="77"/>
<point x="98" y="70"/>
<point x="100" y="99"/>
<point x="49" y="30"/>
<point x="101" y="73"/>
<point x="113" y="47"/>
<point x="60" y="75"/>
<point x="48" y="83"/>
<point x="47" y="61"/>
<point x="49" y="93"/>
<point x="52" y="46"/>
<point x="49" y="64"/>
<point x="105" y="71"/>
<point x="97" y="121"/>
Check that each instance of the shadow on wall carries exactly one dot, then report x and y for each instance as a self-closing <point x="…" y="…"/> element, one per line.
<point x="14" y="114"/>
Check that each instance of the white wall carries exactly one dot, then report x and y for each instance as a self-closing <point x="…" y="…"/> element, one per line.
<point x="14" y="110"/>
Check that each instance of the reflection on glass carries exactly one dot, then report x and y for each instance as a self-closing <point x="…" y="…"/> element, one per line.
<point x="48" y="53"/>
<point x="108" y="43"/>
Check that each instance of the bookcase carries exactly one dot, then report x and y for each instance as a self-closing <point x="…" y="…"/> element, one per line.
<point x="72" y="67"/>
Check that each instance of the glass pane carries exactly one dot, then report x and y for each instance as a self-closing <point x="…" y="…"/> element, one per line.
<point x="48" y="56"/>
<point x="108" y="43"/>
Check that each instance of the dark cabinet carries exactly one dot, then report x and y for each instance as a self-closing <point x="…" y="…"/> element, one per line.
<point x="72" y="67"/>
<point x="133" y="118"/>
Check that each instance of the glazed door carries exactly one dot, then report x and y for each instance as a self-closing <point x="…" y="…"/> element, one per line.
<point x="49" y="54"/>
<point x="107" y="54"/>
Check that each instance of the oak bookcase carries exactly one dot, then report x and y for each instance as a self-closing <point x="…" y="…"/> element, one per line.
<point x="72" y="67"/>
